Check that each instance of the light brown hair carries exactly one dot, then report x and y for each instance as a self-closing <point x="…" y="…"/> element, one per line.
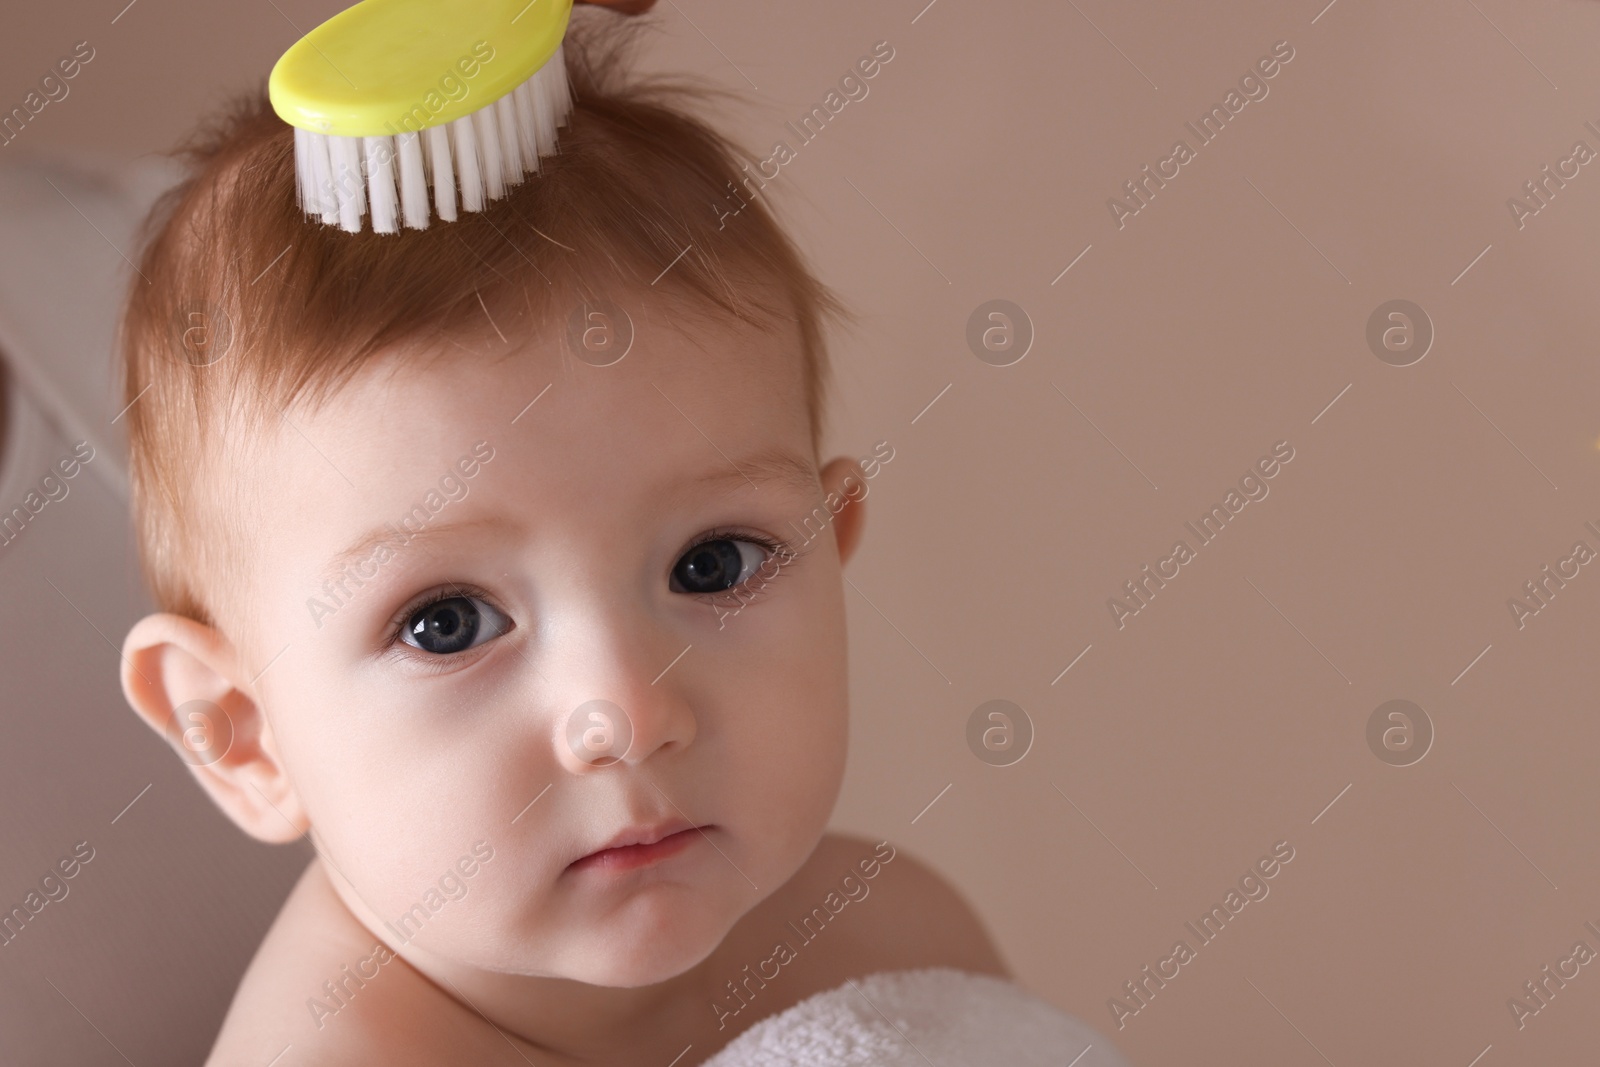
<point x="245" y="305"/>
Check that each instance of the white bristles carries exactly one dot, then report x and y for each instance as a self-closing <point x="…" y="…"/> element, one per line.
<point x="543" y="94"/>
<point x="326" y="203"/>
<point x="505" y="111"/>
<point x="427" y="153"/>
<point x="559" y="90"/>
<point x="527" y="128"/>
<point x="469" y="174"/>
<point x="444" y="186"/>
<point x="348" y="181"/>
<point x="488" y="131"/>
<point x="380" y="183"/>
<point x="468" y="161"/>
<point x="305" y="181"/>
<point x="413" y="181"/>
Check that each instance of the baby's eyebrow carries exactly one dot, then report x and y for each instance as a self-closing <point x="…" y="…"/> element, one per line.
<point x="774" y="465"/>
<point x="368" y="542"/>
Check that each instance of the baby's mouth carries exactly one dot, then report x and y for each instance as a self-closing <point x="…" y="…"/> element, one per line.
<point x="641" y="847"/>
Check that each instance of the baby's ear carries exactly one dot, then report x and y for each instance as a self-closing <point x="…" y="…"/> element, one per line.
<point x="180" y="676"/>
<point x="843" y="478"/>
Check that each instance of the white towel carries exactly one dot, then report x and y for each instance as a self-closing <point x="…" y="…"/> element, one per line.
<point x="938" y="1015"/>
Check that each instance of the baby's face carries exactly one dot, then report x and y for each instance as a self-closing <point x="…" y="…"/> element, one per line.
<point x="576" y="534"/>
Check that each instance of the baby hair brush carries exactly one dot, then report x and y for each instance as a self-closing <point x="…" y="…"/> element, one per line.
<point x="392" y="97"/>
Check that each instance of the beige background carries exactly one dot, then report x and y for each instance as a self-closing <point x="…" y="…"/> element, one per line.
<point x="1225" y="317"/>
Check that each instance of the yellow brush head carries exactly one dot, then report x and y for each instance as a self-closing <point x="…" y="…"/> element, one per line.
<point x="392" y="96"/>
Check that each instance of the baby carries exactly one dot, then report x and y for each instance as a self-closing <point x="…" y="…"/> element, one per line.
<point x="498" y="558"/>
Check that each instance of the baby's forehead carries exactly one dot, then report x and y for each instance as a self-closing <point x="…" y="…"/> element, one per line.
<point x="688" y="399"/>
<point x="606" y="370"/>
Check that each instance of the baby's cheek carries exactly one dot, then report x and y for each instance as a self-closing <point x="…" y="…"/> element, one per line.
<point x="788" y="755"/>
<point x="406" y="814"/>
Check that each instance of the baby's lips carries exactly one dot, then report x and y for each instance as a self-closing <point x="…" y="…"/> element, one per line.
<point x="627" y="858"/>
<point x="645" y="833"/>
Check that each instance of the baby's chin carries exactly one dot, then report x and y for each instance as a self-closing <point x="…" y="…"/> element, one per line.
<point x="646" y="961"/>
<point x="651" y="941"/>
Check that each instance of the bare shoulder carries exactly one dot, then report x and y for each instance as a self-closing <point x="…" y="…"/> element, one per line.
<point x="921" y="919"/>
<point x="322" y="985"/>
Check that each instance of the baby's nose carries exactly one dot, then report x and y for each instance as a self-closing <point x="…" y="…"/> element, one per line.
<point x="618" y="702"/>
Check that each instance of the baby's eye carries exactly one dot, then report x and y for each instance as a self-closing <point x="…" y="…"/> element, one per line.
<point x="717" y="565"/>
<point x="453" y="624"/>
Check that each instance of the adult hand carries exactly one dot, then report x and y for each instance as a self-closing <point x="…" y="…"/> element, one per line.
<point x="626" y="7"/>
